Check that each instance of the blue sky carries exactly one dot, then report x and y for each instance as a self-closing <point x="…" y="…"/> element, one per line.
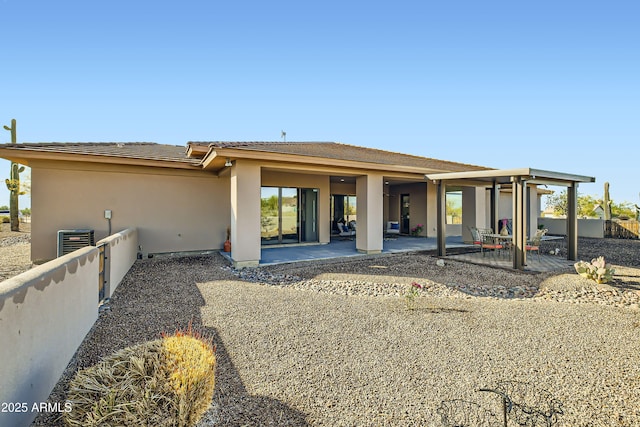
<point x="547" y="84"/>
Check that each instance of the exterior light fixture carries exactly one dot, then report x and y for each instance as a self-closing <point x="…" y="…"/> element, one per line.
<point x="228" y="163"/>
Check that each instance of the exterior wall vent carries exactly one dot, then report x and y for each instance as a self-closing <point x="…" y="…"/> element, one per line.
<point x="72" y="240"/>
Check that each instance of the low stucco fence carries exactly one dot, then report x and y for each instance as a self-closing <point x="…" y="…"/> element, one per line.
<point x="586" y="227"/>
<point x="45" y="314"/>
<point x="121" y="250"/>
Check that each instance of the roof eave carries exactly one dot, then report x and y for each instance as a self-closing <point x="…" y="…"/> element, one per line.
<point x="25" y="157"/>
<point x="233" y="153"/>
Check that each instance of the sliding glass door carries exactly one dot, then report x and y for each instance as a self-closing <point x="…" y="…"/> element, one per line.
<point x="288" y="215"/>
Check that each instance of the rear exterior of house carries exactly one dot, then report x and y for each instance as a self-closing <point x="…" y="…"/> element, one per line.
<point x="265" y="193"/>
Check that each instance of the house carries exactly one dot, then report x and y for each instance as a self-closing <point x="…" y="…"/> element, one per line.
<point x="266" y="193"/>
<point x="598" y="210"/>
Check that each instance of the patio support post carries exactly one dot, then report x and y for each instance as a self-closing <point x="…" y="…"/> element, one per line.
<point x="442" y="218"/>
<point x="572" y="222"/>
<point x="245" y="214"/>
<point x="519" y="223"/>
<point x="369" y="234"/>
<point x="495" y="206"/>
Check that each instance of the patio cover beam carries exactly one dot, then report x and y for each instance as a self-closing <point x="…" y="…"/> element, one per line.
<point x="572" y="222"/>
<point x="442" y="218"/>
<point x="519" y="239"/>
<point x="495" y="206"/>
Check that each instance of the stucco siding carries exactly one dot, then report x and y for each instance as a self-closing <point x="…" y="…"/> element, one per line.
<point x="172" y="210"/>
<point x="417" y="204"/>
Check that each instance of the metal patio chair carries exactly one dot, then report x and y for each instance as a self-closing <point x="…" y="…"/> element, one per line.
<point x="489" y="242"/>
<point x="534" y="243"/>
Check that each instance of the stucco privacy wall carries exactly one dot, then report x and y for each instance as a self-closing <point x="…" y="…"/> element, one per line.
<point x="173" y="210"/>
<point x="45" y="314"/>
<point x="321" y="182"/>
<point x="121" y="251"/>
<point x="586" y="227"/>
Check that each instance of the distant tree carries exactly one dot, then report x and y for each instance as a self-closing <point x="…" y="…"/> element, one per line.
<point x="587" y="204"/>
<point x="4" y="208"/>
<point x="26" y="211"/>
<point x="454" y="209"/>
<point x="558" y="201"/>
<point x="623" y="210"/>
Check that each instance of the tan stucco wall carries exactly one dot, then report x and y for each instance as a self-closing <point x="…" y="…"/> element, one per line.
<point x="432" y="210"/>
<point x="370" y="213"/>
<point x="418" y="207"/>
<point x="120" y="251"/>
<point x="245" y="213"/>
<point x="172" y="210"/>
<point x="46" y="313"/>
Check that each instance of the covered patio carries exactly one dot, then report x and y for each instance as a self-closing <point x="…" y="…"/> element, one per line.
<point x="341" y="249"/>
<point x="338" y="248"/>
<point x="521" y="182"/>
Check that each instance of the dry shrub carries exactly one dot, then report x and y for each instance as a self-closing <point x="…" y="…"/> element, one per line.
<point x="166" y="382"/>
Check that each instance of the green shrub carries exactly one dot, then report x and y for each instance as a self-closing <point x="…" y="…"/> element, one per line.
<point x="5" y="219"/>
<point x="166" y="382"/>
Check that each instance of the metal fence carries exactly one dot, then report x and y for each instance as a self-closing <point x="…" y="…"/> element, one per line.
<point x="628" y="229"/>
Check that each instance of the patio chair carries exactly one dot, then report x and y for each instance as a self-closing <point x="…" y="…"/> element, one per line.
<point x="534" y="243"/>
<point x="489" y="242"/>
<point x="393" y="227"/>
<point x="475" y="235"/>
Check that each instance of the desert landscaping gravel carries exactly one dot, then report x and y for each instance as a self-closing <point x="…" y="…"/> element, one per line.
<point x="333" y="343"/>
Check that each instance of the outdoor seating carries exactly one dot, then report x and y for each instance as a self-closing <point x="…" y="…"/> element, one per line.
<point x="534" y="243"/>
<point x="393" y="227"/>
<point x="347" y="231"/>
<point x="482" y="238"/>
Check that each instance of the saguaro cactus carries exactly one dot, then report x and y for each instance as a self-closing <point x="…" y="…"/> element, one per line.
<point x="607" y="203"/>
<point x="13" y="183"/>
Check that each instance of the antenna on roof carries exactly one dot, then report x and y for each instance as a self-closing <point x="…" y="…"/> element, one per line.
<point x="283" y="135"/>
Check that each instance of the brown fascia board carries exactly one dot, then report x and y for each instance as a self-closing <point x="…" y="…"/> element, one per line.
<point x="197" y="150"/>
<point x="301" y="159"/>
<point x="25" y="156"/>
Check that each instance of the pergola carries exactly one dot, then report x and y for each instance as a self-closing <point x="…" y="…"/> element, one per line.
<point x="518" y="179"/>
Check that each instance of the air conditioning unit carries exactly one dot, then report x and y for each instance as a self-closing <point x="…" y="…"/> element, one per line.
<point x="72" y="240"/>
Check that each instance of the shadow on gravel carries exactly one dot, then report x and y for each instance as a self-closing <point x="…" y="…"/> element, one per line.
<point x="161" y="295"/>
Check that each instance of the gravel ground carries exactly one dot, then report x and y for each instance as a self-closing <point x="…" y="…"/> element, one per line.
<point x="332" y="343"/>
<point x="15" y="250"/>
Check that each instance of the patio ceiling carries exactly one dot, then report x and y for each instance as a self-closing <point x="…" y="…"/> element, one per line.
<point x="519" y="179"/>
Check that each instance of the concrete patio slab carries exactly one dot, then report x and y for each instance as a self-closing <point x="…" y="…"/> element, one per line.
<point x="346" y="248"/>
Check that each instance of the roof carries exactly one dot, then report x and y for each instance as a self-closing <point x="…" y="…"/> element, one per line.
<point x="196" y="153"/>
<point x="339" y="151"/>
<point x="128" y="150"/>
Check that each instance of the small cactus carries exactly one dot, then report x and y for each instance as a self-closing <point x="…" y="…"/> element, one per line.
<point x="165" y="382"/>
<point x="598" y="270"/>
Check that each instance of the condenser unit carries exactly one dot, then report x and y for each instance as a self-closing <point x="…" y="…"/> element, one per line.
<point x="72" y="240"/>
